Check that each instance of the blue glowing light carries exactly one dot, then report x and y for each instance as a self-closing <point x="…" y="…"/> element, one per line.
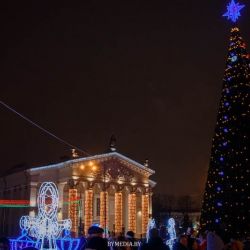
<point x="219" y="204"/>
<point x="218" y="188"/>
<point x="227" y="104"/>
<point x="221" y="159"/>
<point x="225" y="117"/>
<point x="217" y="220"/>
<point x="234" y="58"/>
<point x="233" y="11"/>
<point x="172" y="233"/>
<point x="225" y="130"/>
<point x="221" y="173"/>
<point x="225" y="143"/>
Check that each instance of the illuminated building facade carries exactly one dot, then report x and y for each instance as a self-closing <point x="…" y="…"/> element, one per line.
<point x="107" y="189"/>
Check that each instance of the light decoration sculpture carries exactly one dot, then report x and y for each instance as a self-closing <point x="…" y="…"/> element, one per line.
<point x="151" y="225"/>
<point x="171" y="232"/>
<point x="44" y="230"/>
<point x="233" y="11"/>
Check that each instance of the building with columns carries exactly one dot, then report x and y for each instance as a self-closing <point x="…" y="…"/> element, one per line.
<point x="108" y="189"/>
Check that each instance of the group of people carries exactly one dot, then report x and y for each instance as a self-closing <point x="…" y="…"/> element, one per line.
<point x="98" y="240"/>
<point x="187" y="241"/>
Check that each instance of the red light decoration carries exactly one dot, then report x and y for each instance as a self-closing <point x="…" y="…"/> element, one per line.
<point x="14" y="202"/>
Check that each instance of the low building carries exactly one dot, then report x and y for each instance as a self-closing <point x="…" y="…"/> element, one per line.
<point x="108" y="189"/>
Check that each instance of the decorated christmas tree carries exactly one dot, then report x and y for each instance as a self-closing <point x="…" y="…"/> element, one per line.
<point x="226" y="203"/>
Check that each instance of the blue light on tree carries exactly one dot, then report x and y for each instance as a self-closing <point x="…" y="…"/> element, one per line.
<point x="219" y="204"/>
<point x="234" y="58"/>
<point x="233" y="11"/>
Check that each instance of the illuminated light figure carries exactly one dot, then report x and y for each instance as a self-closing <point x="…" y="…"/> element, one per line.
<point x="24" y="240"/>
<point x="45" y="227"/>
<point x="172" y="233"/>
<point x="233" y="11"/>
<point x="151" y="225"/>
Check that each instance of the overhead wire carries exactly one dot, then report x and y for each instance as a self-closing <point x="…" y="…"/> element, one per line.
<point x="43" y="129"/>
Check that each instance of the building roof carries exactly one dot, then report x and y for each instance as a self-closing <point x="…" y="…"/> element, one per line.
<point x="95" y="157"/>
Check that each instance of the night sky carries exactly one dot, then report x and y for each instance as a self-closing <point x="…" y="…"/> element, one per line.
<point x="149" y="72"/>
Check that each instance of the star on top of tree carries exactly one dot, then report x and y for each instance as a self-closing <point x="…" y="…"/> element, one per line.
<point x="233" y="11"/>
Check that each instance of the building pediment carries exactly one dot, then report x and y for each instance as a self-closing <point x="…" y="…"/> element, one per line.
<point x="113" y="164"/>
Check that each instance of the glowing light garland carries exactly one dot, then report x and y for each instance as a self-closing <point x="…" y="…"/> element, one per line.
<point x="45" y="227"/>
<point x="132" y="212"/>
<point x="13" y="206"/>
<point x="118" y="212"/>
<point x="73" y="209"/>
<point x="145" y="212"/>
<point x="171" y="232"/>
<point x="14" y="202"/>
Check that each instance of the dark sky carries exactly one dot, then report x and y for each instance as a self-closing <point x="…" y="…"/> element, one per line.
<point x="148" y="71"/>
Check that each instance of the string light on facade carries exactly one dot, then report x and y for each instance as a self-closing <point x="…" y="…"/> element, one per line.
<point x="118" y="212"/>
<point x="145" y="212"/>
<point x="73" y="208"/>
<point x="132" y="212"/>
<point x="88" y="209"/>
<point x="104" y="210"/>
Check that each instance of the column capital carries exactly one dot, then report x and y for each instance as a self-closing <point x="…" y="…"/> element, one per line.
<point x="119" y="187"/>
<point x="71" y="183"/>
<point x="90" y="185"/>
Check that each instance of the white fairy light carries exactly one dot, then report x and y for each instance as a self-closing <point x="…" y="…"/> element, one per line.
<point x="151" y="225"/>
<point x="45" y="227"/>
<point x="171" y="232"/>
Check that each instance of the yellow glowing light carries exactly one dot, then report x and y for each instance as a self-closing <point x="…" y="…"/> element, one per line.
<point x="91" y="163"/>
<point x="104" y="209"/>
<point x="118" y="212"/>
<point x="82" y="167"/>
<point x="94" y="167"/>
<point x="132" y="212"/>
<point x="88" y="209"/>
<point x="73" y="209"/>
<point x="90" y="178"/>
<point x="145" y="212"/>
